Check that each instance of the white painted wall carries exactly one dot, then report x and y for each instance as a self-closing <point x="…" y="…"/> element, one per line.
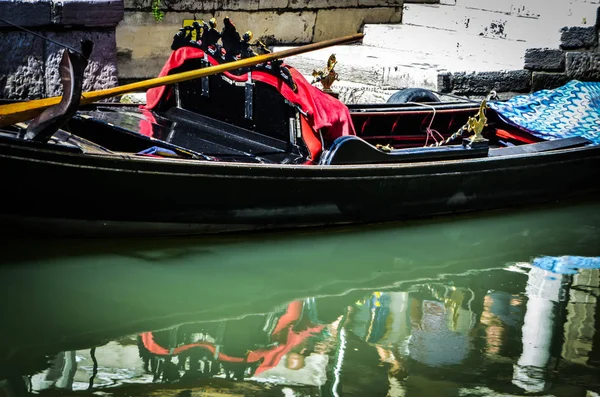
<point x="536" y="22"/>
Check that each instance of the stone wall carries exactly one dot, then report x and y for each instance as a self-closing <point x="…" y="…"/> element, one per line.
<point x="577" y="58"/>
<point x="144" y="43"/>
<point x="29" y="64"/>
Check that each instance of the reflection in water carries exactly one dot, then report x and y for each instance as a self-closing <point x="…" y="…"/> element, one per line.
<point x="546" y="293"/>
<point x="401" y="323"/>
<point x="237" y="349"/>
<point x="301" y="346"/>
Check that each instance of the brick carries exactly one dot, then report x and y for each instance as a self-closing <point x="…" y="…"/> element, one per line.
<point x="214" y="5"/>
<point x="137" y="4"/>
<point x="444" y="82"/>
<point x="26" y="13"/>
<point x="577" y="37"/>
<point x="208" y="5"/>
<point x="88" y="13"/>
<point x="484" y="82"/>
<point x="548" y="81"/>
<point x="545" y="59"/>
<point x="21" y="66"/>
<point x="101" y="71"/>
<point x="308" y="4"/>
<point x="272" y="4"/>
<point x="29" y="68"/>
<point x="583" y="65"/>
<point x="381" y="3"/>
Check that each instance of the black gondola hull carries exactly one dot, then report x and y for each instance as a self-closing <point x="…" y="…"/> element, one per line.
<point x="71" y="193"/>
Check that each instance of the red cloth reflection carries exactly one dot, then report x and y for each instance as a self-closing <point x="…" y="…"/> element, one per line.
<point x="283" y="333"/>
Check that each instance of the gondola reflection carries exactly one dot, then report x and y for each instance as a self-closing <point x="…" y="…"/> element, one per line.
<point x="526" y="323"/>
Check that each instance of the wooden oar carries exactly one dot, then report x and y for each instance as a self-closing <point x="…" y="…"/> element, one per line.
<point x="22" y="111"/>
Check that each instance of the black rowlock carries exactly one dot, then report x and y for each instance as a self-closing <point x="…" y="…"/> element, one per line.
<point x="249" y="98"/>
<point x="205" y="90"/>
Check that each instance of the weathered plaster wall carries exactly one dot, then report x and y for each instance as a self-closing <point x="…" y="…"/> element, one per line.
<point x="29" y="64"/>
<point x="144" y="44"/>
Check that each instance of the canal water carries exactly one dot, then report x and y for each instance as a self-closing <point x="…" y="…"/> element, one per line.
<point x="493" y="304"/>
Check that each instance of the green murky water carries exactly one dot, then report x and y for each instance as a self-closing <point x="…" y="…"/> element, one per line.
<point x="448" y="307"/>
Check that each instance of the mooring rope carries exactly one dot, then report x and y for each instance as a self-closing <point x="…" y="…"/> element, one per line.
<point x="430" y="132"/>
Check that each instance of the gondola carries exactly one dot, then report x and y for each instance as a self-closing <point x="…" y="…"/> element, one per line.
<point x="260" y="147"/>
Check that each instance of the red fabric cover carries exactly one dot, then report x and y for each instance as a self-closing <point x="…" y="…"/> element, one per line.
<point x="155" y="348"/>
<point x="518" y="135"/>
<point x="286" y="337"/>
<point x="283" y="333"/>
<point x="314" y="145"/>
<point x="324" y="111"/>
<point x="146" y="123"/>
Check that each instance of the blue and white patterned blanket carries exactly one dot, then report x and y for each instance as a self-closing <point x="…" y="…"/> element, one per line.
<point x="566" y="264"/>
<point x="568" y="111"/>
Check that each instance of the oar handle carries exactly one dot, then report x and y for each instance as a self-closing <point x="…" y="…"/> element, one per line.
<point x="22" y="111"/>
